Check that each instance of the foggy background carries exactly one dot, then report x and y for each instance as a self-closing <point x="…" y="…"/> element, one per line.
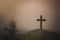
<point x="26" y="12"/>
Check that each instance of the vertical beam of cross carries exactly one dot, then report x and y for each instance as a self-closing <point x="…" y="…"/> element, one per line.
<point x="41" y="20"/>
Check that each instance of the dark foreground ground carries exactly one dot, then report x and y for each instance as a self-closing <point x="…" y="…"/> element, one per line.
<point x="34" y="35"/>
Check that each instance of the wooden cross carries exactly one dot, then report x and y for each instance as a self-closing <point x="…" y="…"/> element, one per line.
<point x="41" y="21"/>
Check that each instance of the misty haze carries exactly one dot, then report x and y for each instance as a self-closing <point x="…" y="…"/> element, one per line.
<point x="29" y="20"/>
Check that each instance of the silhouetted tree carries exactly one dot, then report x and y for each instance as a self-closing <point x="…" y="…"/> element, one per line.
<point x="12" y="35"/>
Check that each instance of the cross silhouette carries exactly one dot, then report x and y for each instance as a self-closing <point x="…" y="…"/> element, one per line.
<point x="41" y="20"/>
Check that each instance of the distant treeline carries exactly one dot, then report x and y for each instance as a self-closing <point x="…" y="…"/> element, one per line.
<point x="10" y="32"/>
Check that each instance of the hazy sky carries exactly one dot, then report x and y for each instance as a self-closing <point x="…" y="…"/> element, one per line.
<point x="30" y="11"/>
<point x="25" y="13"/>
